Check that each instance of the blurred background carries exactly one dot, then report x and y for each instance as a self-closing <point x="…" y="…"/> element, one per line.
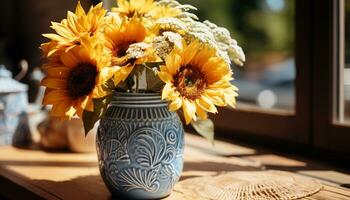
<point x="267" y="113"/>
<point x="264" y="28"/>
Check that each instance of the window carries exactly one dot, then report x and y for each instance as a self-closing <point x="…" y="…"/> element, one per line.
<point x="329" y="85"/>
<point x="265" y="30"/>
<point x="295" y="85"/>
<point x="321" y="112"/>
<point x="275" y="78"/>
<point x="345" y="59"/>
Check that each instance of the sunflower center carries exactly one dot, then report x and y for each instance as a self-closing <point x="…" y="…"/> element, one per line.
<point x="131" y="13"/>
<point x="81" y="80"/>
<point x="190" y="82"/>
<point x="123" y="47"/>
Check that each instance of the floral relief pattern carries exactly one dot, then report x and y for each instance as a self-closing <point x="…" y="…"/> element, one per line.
<point x="138" y="153"/>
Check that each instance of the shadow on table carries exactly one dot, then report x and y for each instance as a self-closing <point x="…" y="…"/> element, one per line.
<point x="216" y="167"/>
<point x="92" y="187"/>
<point x="48" y="163"/>
<point x="83" y="187"/>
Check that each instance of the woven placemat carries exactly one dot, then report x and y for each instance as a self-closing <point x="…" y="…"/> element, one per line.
<point x="262" y="185"/>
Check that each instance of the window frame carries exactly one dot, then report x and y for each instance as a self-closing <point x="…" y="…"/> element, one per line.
<point x="316" y="88"/>
<point x="329" y="134"/>
<point x="283" y="125"/>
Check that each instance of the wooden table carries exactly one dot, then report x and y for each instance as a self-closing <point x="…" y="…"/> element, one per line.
<point x="35" y="174"/>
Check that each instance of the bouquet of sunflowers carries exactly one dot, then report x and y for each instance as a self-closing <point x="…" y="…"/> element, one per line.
<point x="139" y="46"/>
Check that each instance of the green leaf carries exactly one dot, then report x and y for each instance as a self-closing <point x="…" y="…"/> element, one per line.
<point x="100" y="107"/>
<point x="205" y="128"/>
<point x="154" y="84"/>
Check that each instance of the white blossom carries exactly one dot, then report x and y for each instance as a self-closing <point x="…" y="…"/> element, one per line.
<point x="191" y="29"/>
<point x="170" y="24"/>
<point x="138" y="50"/>
<point x="165" y="43"/>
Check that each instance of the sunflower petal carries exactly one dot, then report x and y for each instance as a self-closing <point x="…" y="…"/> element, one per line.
<point x="166" y="91"/>
<point x="190" y="52"/>
<point x="54" y="83"/>
<point x="55" y="96"/>
<point x="61" y="109"/>
<point x="87" y="104"/>
<point x="59" y="72"/>
<point x="62" y="30"/>
<point x="189" y="109"/>
<point x="69" y="59"/>
<point x="99" y="92"/>
<point x="175" y="104"/>
<point x="55" y="37"/>
<point x="105" y="74"/>
<point x="71" y="112"/>
<point x="205" y="103"/>
<point x="79" y="11"/>
<point x="173" y="63"/>
<point x="122" y="74"/>
<point x="165" y="77"/>
<point x="202" y="114"/>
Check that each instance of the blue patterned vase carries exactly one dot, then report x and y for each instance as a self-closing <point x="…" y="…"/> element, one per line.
<point x="140" y="147"/>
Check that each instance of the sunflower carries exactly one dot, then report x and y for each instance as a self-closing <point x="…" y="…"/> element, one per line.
<point x="119" y="37"/>
<point x="131" y="8"/>
<point x="69" y="31"/>
<point x="196" y="80"/>
<point x="75" y="79"/>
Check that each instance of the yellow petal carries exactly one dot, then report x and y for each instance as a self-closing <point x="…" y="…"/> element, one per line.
<point x="55" y="37"/>
<point x="79" y="11"/>
<point x="166" y="91"/>
<point x="175" y="104"/>
<point x="230" y="97"/>
<point x="71" y="112"/>
<point x="55" y="96"/>
<point x="87" y="104"/>
<point x="173" y="63"/>
<point x="72" y="22"/>
<point x="54" y="83"/>
<point x="189" y="109"/>
<point x="59" y="72"/>
<point x="79" y="111"/>
<point x="201" y="112"/>
<point x="99" y="92"/>
<point x="105" y="74"/>
<point x="190" y="52"/>
<point x="61" y="109"/>
<point x="205" y="103"/>
<point x="165" y="77"/>
<point x="216" y="96"/>
<point x="62" y="30"/>
<point x="69" y="59"/>
<point x="122" y="74"/>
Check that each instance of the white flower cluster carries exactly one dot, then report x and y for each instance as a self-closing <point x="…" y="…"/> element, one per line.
<point x="226" y="44"/>
<point x="190" y="28"/>
<point x="170" y="24"/>
<point x="165" y="43"/>
<point x="137" y="50"/>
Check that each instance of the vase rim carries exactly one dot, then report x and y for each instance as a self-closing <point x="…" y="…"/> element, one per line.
<point x="125" y="99"/>
<point x="137" y="93"/>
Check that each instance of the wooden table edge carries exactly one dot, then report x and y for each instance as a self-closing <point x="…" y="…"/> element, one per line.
<point x="16" y="186"/>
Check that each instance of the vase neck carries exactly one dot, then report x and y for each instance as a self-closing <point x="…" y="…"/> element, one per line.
<point x="138" y="100"/>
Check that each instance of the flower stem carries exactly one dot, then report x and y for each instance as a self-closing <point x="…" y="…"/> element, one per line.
<point x="137" y="83"/>
<point x="147" y="67"/>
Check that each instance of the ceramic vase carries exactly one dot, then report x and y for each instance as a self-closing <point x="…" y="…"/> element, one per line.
<point x="140" y="147"/>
